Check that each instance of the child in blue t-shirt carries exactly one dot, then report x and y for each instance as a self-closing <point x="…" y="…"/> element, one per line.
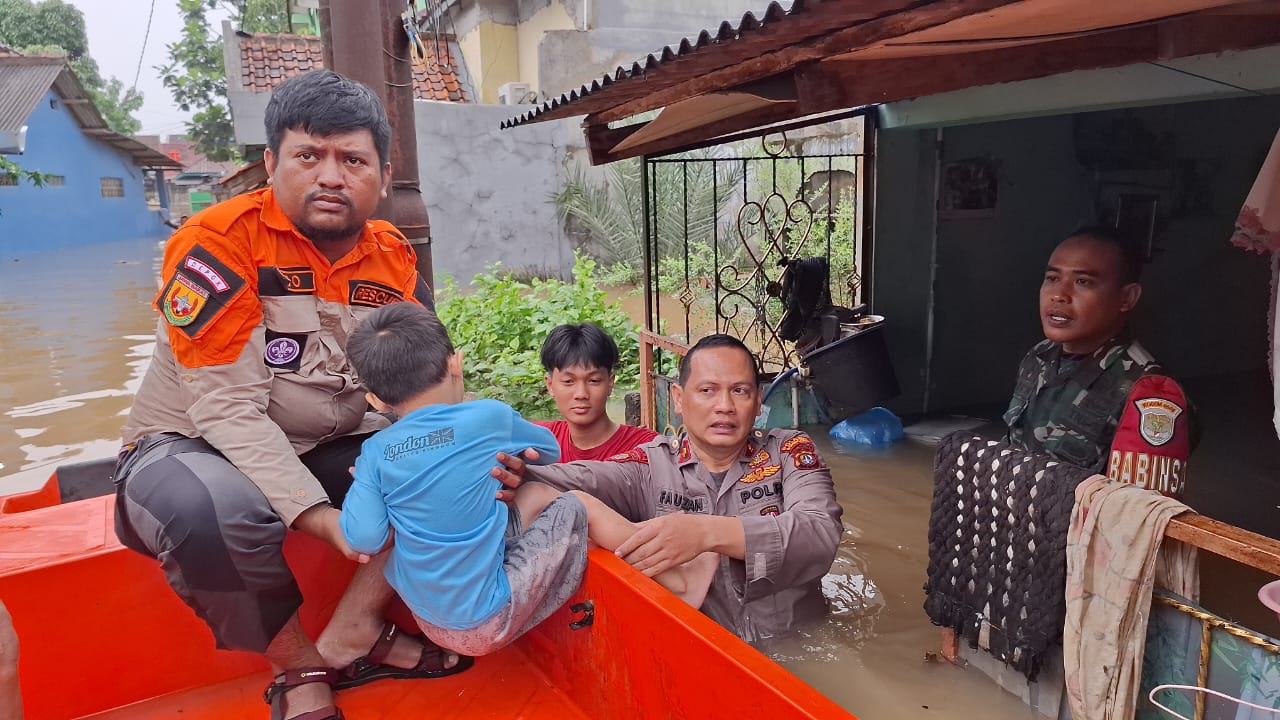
<point x="475" y="573"/>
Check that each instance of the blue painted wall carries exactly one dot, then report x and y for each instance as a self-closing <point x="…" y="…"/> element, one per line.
<point x="39" y="219"/>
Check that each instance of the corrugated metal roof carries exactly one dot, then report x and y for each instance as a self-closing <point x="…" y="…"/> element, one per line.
<point x="733" y="44"/>
<point x="23" y="81"/>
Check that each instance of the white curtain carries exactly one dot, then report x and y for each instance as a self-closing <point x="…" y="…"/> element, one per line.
<point x="1258" y="230"/>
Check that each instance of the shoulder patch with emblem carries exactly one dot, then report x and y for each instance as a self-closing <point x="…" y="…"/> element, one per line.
<point x="200" y="287"/>
<point x="182" y="301"/>
<point x="1159" y="416"/>
<point x="634" y="455"/>
<point x="804" y="454"/>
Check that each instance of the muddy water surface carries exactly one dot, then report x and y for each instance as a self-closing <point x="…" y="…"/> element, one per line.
<point x="76" y="332"/>
<point x="870" y="656"/>
<point x="75" y="335"/>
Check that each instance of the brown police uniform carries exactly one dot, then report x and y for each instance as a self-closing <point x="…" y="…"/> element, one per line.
<point x="780" y="490"/>
<point x="248" y="399"/>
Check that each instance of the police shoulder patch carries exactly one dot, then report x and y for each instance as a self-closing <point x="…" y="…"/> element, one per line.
<point x="634" y="455"/>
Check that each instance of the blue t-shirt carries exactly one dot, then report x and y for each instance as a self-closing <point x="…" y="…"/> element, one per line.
<point x="428" y="477"/>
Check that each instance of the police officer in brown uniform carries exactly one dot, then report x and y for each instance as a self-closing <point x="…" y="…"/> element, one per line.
<point x="763" y="500"/>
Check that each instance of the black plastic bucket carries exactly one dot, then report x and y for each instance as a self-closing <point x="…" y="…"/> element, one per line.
<point x="853" y="374"/>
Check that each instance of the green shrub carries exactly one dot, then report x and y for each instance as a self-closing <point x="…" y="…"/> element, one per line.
<point x="500" y="326"/>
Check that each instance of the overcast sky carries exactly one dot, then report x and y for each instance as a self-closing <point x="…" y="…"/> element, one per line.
<point x="116" y="31"/>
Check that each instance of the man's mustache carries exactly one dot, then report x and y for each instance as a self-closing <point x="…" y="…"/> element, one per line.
<point x="329" y="197"/>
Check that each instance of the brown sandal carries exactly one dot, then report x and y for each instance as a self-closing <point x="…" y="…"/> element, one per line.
<point x="289" y="679"/>
<point x="373" y="666"/>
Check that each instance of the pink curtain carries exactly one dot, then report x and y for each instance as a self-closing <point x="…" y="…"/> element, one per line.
<point x="1258" y="230"/>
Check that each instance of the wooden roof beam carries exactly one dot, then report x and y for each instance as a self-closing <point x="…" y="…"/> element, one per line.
<point x="601" y="140"/>
<point x="850" y="83"/>
<point x="787" y="58"/>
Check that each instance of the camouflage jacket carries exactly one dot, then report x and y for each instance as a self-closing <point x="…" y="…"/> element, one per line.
<point x="1069" y="407"/>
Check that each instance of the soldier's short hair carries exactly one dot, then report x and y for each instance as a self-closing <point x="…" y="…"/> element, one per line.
<point x="714" y="341"/>
<point x="400" y="351"/>
<point x="1130" y="254"/>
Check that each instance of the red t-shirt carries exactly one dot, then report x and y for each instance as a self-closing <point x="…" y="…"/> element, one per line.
<point x="626" y="437"/>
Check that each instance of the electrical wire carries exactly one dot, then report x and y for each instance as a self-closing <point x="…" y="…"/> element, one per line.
<point x="145" y="36"/>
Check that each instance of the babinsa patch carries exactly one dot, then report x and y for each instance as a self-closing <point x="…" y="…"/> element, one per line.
<point x="183" y="300"/>
<point x="372" y="294"/>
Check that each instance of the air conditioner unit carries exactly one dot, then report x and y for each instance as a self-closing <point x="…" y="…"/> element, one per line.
<point x="14" y="143"/>
<point x="512" y="93"/>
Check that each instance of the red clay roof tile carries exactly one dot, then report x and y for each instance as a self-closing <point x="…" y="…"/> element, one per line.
<point x="266" y="60"/>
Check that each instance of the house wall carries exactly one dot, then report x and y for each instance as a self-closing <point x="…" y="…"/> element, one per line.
<point x="488" y="191"/>
<point x="1204" y="304"/>
<point x="551" y="17"/>
<point x="35" y="219"/>
<point x="558" y="45"/>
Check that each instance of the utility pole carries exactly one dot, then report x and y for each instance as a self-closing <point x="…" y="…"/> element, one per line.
<point x="365" y="40"/>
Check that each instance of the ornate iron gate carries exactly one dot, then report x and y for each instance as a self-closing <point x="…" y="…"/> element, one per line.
<point x="720" y="219"/>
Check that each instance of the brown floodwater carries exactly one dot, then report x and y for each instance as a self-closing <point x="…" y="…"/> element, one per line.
<point x="75" y="335"/>
<point x="77" y="327"/>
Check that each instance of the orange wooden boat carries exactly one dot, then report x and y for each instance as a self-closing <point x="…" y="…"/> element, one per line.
<point x="103" y="637"/>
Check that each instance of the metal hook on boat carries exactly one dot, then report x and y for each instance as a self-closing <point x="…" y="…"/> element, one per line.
<point x="588" y="610"/>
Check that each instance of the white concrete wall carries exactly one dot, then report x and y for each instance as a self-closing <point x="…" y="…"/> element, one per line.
<point x="488" y="191"/>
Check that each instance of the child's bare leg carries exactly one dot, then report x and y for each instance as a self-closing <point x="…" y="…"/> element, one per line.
<point x="531" y="499"/>
<point x="608" y="529"/>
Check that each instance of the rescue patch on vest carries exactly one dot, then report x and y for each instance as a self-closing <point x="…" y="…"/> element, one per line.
<point x="372" y="294"/>
<point x="183" y="300"/>
<point x="284" y="350"/>
<point x="634" y="455"/>
<point x="1159" y="417"/>
<point x="761" y="473"/>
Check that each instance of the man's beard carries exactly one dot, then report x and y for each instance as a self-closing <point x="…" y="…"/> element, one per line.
<point x="321" y="236"/>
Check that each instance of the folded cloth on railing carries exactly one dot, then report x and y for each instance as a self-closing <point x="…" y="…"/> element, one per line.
<point x="1116" y="534"/>
<point x="997" y="540"/>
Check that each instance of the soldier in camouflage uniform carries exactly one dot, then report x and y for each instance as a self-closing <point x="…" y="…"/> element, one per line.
<point x="1068" y="405"/>
<point x="1072" y="386"/>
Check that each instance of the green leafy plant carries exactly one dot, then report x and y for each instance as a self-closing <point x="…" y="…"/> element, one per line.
<point x="195" y="74"/>
<point x="500" y="325"/>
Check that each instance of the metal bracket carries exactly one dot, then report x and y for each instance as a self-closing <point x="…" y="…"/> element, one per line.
<point x="588" y="610"/>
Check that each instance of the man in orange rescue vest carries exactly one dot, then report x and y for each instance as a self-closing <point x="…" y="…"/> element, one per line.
<point x="250" y="414"/>
<point x="1088" y="394"/>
